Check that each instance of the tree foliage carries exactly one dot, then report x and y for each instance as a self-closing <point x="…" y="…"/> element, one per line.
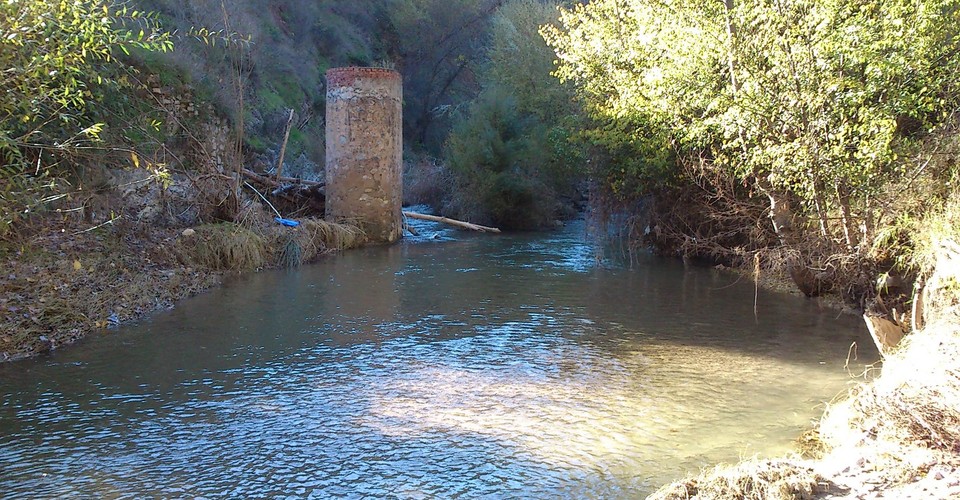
<point x="514" y="149"/>
<point x="53" y="54"/>
<point x="494" y="151"/>
<point x="812" y="98"/>
<point x="440" y="45"/>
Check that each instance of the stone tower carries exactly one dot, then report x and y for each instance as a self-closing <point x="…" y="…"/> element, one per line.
<point x="364" y="163"/>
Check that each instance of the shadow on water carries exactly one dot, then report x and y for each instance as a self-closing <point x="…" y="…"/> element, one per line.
<point x="463" y="365"/>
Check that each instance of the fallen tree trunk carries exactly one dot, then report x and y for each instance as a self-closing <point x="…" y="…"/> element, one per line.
<point x="452" y="222"/>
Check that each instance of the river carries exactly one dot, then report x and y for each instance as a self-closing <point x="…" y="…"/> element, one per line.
<point x="465" y="365"/>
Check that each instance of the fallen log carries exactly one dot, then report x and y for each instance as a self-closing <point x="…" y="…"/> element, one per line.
<point x="276" y="182"/>
<point x="452" y="222"/>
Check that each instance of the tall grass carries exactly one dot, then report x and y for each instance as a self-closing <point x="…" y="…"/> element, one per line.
<point x="313" y="237"/>
<point x="223" y="247"/>
<point x="229" y="247"/>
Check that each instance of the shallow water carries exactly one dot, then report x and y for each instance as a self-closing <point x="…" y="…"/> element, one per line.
<point x="462" y="366"/>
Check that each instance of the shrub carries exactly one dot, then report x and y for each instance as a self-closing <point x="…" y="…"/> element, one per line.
<point x="496" y="154"/>
<point x="55" y="57"/>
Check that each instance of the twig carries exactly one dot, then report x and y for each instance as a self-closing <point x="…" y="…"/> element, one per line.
<point x="264" y="198"/>
<point x="851" y="353"/>
<point x="111" y="221"/>
<point x="283" y="147"/>
<point x="756" y="284"/>
<point x="266" y="180"/>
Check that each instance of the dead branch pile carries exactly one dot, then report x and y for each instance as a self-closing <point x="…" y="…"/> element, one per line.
<point x="292" y="197"/>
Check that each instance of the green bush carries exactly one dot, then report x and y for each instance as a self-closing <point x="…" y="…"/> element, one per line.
<point x="496" y="155"/>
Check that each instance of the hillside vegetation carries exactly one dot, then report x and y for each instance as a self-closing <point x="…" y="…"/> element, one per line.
<point x="123" y="123"/>
<point x="209" y="87"/>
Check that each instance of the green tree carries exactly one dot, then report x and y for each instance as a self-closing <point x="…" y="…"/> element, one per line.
<point x="520" y="63"/>
<point x="804" y="99"/>
<point x="515" y="148"/>
<point x="495" y="153"/>
<point x="440" y="45"/>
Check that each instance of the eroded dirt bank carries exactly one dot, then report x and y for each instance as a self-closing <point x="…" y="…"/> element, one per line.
<point x="897" y="436"/>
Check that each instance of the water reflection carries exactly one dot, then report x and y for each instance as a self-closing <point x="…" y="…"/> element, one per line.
<point x="483" y="366"/>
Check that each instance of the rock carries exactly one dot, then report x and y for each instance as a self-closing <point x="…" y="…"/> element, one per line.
<point x="188" y="232"/>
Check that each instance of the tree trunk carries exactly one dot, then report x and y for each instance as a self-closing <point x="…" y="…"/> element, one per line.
<point x="843" y="198"/>
<point x="820" y="204"/>
<point x="781" y="213"/>
<point x="867" y="225"/>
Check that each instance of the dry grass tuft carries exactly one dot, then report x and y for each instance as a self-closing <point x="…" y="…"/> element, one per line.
<point x="332" y="235"/>
<point x="229" y="247"/>
<point x="916" y="400"/>
<point x="223" y="247"/>
<point x="810" y="445"/>
<point x="302" y="244"/>
<point x="292" y="254"/>
<point x="752" y="480"/>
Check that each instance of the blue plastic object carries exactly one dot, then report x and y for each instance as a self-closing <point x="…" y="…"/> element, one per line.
<point x="287" y="222"/>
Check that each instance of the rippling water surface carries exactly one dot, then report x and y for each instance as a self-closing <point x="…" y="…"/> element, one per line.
<point x="462" y="366"/>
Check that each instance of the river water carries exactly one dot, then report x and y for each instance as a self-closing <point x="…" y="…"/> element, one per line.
<point x="461" y="366"/>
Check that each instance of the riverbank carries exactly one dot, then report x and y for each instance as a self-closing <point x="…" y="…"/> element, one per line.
<point x="897" y="436"/>
<point x="778" y="280"/>
<point x="69" y="283"/>
<point x="72" y="281"/>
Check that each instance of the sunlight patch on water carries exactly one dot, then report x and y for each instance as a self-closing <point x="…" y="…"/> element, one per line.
<point x="608" y="416"/>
